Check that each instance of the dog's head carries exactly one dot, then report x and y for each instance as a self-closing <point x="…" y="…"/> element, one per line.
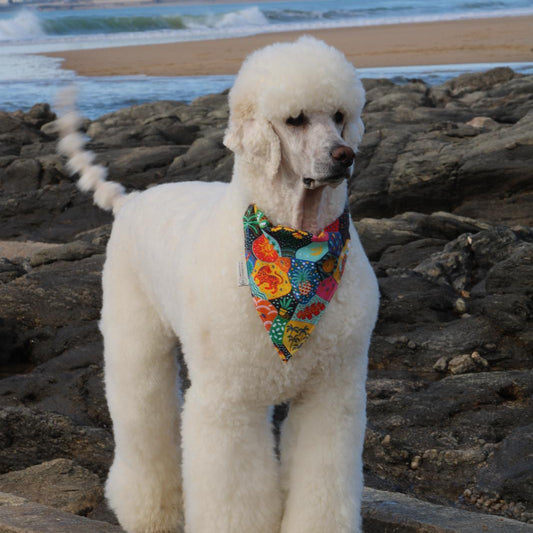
<point x="297" y="106"/>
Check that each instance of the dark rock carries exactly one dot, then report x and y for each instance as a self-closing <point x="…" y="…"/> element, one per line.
<point x="22" y="175"/>
<point x="511" y="312"/>
<point x="71" y="384"/>
<point x="39" y="115"/>
<point x="140" y="167"/>
<point x="510" y="471"/>
<point x="55" y="213"/>
<point x="9" y="270"/>
<point x="468" y="83"/>
<point x="514" y="274"/>
<point x="49" y="300"/>
<point x="29" y="437"/>
<point x="475" y="412"/>
<point x="443" y="205"/>
<point x="429" y="159"/>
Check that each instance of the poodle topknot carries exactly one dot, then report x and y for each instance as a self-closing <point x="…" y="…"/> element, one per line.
<point x="283" y="79"/>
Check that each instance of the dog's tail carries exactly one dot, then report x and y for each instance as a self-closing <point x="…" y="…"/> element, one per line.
<point x="108" y="195"/>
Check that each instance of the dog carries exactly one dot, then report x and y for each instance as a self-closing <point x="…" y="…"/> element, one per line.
<point x="171" y="272"/>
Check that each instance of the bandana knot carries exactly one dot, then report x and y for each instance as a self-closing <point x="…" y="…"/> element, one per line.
<point x="293" y="275"/>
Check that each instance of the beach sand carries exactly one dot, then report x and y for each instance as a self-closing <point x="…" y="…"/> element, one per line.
<point x="492" y="40"/>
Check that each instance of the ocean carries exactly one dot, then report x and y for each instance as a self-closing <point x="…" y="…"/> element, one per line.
<point x="27" y="78"/>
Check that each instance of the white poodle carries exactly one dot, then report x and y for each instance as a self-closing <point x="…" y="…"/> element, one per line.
<point x="171" y="271"/>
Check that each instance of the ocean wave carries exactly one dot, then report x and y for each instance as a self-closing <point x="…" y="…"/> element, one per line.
<point x="79" y="25"/>
<point x="251" y="16"/>
<point x="136" y="26"/>
<point x="25" y="25"/>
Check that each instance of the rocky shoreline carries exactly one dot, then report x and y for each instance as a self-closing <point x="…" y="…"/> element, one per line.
<point x="443" y="201"/>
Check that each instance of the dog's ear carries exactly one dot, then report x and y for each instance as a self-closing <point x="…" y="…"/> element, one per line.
<point x="256" y="141"/>
<point x="353" y="132"/>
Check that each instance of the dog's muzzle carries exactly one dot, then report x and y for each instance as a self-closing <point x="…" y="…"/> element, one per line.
<point x="333" y="180"/>
<point x="342" y="158"/>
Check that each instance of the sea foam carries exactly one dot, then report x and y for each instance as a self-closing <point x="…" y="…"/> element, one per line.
<point x="24" y="25"/>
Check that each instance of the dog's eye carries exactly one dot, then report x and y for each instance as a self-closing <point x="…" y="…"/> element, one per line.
<point x="338" y="117"/>
<point x="300" y="120"/>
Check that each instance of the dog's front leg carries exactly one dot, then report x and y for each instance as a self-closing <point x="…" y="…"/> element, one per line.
<point x="322" y="442"/>
<point x="230" y="473"/>
<point x="144" y="484"/>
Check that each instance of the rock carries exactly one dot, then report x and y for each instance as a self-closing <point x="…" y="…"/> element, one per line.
<point x="39" y="115"/>
<point x="21" y="176"/>
<point x="460" y="306"/>
<point x="379" y="235"/>
<point x="50" y="301"/>
<point x="29" y="437"/>
<point x="72" y="251"/>
<point x="510" y="471"/>
<point x="483" y="123"/>
<point x="55" y="214"/>
<point x="9" y="270"/>
<point x="70" y="384"/>
<point x="22" y="516"/>
<point x="196" y="162"/>
<point x="385" y="511"/>
<point x="462" y="364"/>
<point x="59" y="483"/>
<point x="468" y="83"/>
<point x="140" y="167"/>
<point x="513" y="274"/>
<point x="441" y="365"/>
<point x="432" y="173"/>
<point x="442" y="199"/>
<point x="474" y="413"/>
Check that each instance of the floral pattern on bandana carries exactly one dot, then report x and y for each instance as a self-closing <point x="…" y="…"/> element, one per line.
<point x="293" y="275"/>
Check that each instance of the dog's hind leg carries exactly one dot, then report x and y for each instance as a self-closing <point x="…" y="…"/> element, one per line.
<point x="144" y="484"/>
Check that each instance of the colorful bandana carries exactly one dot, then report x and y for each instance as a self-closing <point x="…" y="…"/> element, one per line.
<point x="293" y="275"/>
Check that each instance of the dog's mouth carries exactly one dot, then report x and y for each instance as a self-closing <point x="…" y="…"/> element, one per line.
<point x="333" y="181"/>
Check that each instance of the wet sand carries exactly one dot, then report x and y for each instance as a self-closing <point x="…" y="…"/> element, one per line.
<point x="493" y="40"/>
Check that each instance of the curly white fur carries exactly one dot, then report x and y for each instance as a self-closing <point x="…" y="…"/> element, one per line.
<point x="170" y="272"/>
<point x="107" y="195"/>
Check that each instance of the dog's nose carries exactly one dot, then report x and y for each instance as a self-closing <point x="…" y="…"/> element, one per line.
<point x="343" y="154"/>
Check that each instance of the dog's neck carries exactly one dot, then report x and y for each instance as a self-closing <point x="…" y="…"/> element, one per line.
<point x="286" y="201"/>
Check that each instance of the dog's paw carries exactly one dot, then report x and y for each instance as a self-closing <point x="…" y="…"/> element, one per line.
<point x="145" y="504"/>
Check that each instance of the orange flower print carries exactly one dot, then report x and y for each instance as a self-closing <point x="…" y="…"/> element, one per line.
<point x="264" y="250"/>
